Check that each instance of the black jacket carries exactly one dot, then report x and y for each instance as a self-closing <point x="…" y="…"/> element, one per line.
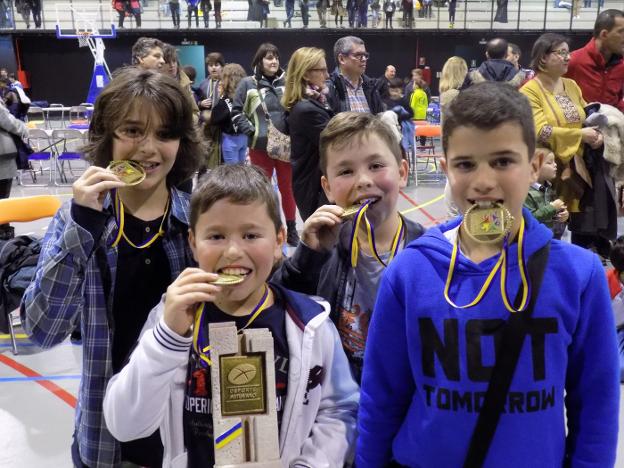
<point x="338" y="99"/>
<point x="495" y="70"/>
<point x="306" y="121"/>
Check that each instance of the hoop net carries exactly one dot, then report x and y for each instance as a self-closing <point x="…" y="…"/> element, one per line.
<point x="83" y="38"/>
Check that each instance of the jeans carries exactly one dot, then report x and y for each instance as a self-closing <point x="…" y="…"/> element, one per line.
<point x="175" y="13"/>
<point x="193" y="10"/>
<point x="233" y="148"/>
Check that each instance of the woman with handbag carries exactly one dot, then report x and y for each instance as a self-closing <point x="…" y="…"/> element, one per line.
<point x="10" y="128"/>
<point x="307" y="115"/>
<point x="257" y="113"/>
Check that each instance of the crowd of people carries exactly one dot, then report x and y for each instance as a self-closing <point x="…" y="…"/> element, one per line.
<point x="383" y="365"/>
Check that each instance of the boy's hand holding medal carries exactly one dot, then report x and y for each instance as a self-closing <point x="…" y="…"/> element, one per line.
<point x="91" y="187"/>
<point x="191" y="288"/>
<point x="320" y="230"/>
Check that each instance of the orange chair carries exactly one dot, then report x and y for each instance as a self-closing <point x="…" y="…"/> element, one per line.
<point x="429" y="131"/>
<point x="21" y="210"/>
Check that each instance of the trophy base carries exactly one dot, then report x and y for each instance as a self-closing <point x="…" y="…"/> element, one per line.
<point x="265" y="464"/>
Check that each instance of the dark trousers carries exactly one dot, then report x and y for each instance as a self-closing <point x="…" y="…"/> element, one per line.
<point x="175" y="13"/>
<point x="205" y="8"/>
<point x="5" y="192"/>
<point x="191" y="10"/>
<point x="217" y="12"/>
<point x="452" y="6"/>
<point x="389" y="20"/>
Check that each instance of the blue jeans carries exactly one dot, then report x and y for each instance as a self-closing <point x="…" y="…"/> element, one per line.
<point x="233" y="148"/>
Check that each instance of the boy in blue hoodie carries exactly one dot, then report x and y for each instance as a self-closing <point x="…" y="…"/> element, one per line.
<point x="437" y="325"/>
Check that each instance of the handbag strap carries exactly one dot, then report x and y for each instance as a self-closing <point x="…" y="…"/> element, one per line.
<point x="514" y="333"/>
<point x="263" y="104"/>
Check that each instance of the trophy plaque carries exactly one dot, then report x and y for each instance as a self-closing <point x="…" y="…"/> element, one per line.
<point x="243" y="397"/>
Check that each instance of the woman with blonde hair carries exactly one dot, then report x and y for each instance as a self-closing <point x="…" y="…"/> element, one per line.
<point x="233" y="144"/>
<point x="453" y="75"/>
<point x="307" y="115"/>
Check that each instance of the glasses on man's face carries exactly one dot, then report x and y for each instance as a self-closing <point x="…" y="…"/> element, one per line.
<point x="361" y="56"/>
<point x="561" y="53"/>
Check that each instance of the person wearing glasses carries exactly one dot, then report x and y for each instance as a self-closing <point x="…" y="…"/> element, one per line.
<point x="559" y="113"/>
<point x="349" y="88"/>
<point x="496" y="67"/>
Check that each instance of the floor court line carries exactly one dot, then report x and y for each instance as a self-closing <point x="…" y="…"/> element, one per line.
<point x="50" y="386"/>
<point x="43" y="377"/>
<point x="413" y="202"/>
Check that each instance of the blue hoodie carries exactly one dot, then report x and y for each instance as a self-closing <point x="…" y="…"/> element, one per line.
<point x="427" y="364"/>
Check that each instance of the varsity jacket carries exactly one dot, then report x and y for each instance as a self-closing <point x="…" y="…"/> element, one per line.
<point x="318" y="423"/>
<point x="339" y="101"/>
<point x="326" y="274"/>
<point x="428" y="363"/>
<point x="75" y="281"/>
<point x="600" y="81"/>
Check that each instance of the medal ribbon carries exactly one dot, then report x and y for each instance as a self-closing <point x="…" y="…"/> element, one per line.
<point x="502" y="261"/>
<point x="355" y="248"/>
<point x="119" y="217"/>
<point x="199" y="340"/>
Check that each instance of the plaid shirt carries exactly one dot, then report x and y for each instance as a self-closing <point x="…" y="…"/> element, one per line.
<point x="75" y="280"/>
<point x="356" y="97"/>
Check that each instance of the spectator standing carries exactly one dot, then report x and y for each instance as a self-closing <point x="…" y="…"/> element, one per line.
<point x="375" y="7"/>
<point x="264" y="90"/>
<point x="217" y="13"/>
<point x="453" y="75"/>
<point x="321" y="9"/>
<point x="305" y="12"/>
<point x="362" y="13"/>
<point x="338" y="10"/>
<point x="192" y="9"/>
<point x="598" y="67"/>
<point x="349" y="88"/>
<point x="408" y="13"/>
<point x="290" y="12"/>
<point x="205" y="7"/>
<point x="174" y="7"/>
<point x="305" y="101"/>
<point x="233" y="144"/>
<point x="384" y="80"/>
<point x="210" y="86"/>
<point x="389" y="7"/>
<point x="452" y="6"/>
<point x="23" y="8"/>
<point x="10" y="128"/>
<point x="352" y="8"/>
<point x="559" y="113"/>
<point x="496" y="67"/>
<point x="35" y="6"/>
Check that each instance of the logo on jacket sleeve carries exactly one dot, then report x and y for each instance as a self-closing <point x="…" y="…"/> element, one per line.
<point x="315" y="377"/>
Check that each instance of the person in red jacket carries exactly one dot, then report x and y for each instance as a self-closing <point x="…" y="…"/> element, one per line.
<point x="598" y="68"/>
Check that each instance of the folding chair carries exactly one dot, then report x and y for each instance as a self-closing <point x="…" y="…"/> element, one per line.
<point x="40" y="141"/>
<point x="21" y="210"/>
<point x="72" y="142"/>
<point x="78" y="118"/>
<point x="54" y="113"/>
<point x="427" y="151"/>
<point x="35" y="117"/>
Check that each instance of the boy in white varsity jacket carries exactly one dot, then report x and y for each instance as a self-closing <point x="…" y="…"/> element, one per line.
<point x="235" y="228"/>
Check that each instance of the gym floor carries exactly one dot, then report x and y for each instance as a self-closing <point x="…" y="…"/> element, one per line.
<point x="38" y="388"/>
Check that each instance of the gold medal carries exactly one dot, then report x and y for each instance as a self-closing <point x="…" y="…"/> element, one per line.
<point x="227" y="280"/>
<point x="129" y="172"/>
<point x="350" y="211"/>
<point x="487" y="222"/>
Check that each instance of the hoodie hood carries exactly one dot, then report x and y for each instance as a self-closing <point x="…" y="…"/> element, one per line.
<point x="497" y="70"/>
<point x="434" y="245"/>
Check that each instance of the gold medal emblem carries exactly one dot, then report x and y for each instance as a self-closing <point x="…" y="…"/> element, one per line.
<point x="489" y="222"/>
<point x="227" y="280"/>
<point x="350" y="211"/>
<point x="129" y="172"/>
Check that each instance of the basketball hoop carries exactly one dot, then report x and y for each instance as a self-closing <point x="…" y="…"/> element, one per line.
<point x="83" y="38"/>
